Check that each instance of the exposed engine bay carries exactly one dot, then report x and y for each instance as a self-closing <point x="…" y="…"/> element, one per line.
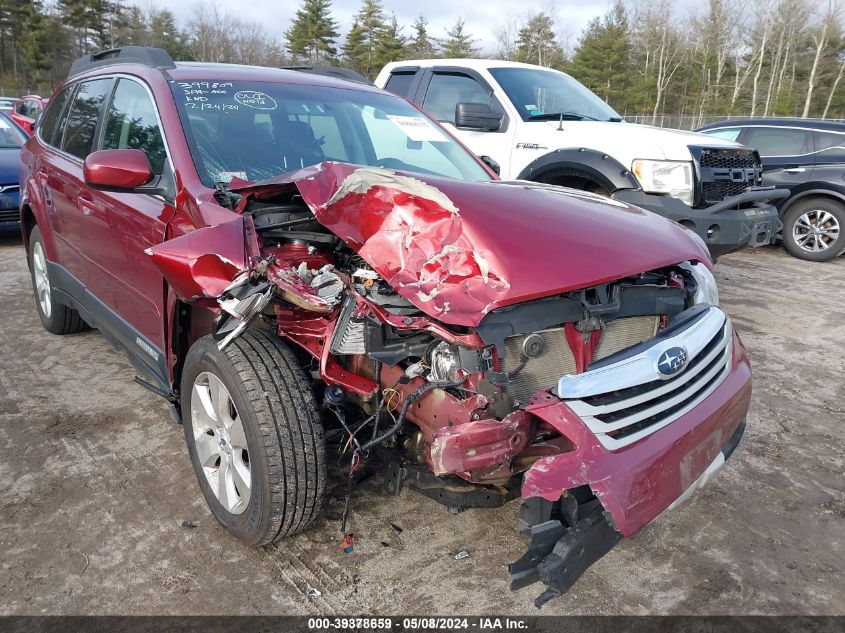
<point x="429" y="359"/>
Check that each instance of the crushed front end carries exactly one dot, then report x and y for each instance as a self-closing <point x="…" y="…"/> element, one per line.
<point x="481" y="356"/>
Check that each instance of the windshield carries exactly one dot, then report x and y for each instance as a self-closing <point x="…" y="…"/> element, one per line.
<point x="546" y="94"/>
<point x="256" y="130"/>
<point x="11" y="136"/>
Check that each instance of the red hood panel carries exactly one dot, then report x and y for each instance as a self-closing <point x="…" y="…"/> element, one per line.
<point x="458" y="249"/>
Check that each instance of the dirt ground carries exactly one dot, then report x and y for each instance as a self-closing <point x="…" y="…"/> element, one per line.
<point x="95" y="483"/>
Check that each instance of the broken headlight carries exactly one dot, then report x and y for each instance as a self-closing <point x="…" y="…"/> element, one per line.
<point x="451" y="363"/>
<point x="706" y="290"/>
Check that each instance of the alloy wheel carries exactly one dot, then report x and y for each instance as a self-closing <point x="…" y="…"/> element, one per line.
<point x="220" y="442"/>
<point x="42" y="280"/>
<point x="815" y="230"/>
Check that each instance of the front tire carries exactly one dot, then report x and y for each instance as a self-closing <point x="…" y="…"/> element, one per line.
<point x="814" y="229"/>
<point x="255" y="436"/>
<point x="55" y="317"/>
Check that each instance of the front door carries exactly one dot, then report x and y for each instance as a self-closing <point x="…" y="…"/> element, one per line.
<point x="786" y="153"/>
<point x="445" y="90"/>
<point x="129" y="223"/>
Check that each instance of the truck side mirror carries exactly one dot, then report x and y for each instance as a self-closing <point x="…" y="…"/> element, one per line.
<point x="492" y="164"/>
<point x="476" y="116"/>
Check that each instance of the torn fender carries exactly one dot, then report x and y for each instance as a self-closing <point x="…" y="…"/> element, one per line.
<point x="202" y="263"/>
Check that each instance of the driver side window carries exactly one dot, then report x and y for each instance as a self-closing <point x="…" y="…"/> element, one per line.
<point x="131" y="123"/>
<point x="446" y="90"/>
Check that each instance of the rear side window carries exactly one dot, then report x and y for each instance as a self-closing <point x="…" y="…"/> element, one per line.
<point x="400" y="84"/>
<point x="131" y="123"/>
<point x="48" y="125"/>
<point x="778" y="141"/>
<point x="81" y="123"/>
<point x="829" y="141"/>
<point x="446" y="90"/>
<point x="727" y="133"/>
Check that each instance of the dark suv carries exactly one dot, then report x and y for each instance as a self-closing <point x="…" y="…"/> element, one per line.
<point x="808" y="158"/>
<point x="306" y="266"/>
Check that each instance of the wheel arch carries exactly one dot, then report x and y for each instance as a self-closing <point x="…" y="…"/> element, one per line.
<point x="598" y="167"/>
<point x="28" y="222"/>
<point x="815" y="192"/>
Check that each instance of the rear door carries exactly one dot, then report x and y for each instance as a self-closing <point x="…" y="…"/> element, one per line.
<point x="830" y="155"/>
<point x="787" y="153"/>
<point x="62" y="170"/>
<point x="124" y="225"/>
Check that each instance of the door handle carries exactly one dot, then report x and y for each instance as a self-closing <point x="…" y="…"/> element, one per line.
<point x="85" y="205"/>
<point x="795" y="170"/>
<point x="42" y="176"/>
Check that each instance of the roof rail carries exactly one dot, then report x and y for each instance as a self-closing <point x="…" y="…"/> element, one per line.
<point x="144" y="55"/>
<point x="332" y="71"/>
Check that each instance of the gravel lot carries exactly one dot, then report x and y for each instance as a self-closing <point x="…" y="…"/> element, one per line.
<point x="95" y="483"/>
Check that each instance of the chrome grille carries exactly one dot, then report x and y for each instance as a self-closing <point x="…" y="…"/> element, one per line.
<point x="541" y="372"/>
<point x="629" y="399"/>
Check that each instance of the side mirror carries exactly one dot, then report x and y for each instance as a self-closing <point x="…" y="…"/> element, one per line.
<point x="492" y="164"/>
<point x="118" y="170"/>
<point x="476" y="116"/>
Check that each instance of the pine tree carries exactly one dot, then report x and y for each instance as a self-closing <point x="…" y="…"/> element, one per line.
<point x="458" y="43"/>
<point x="602" y="61"/>
<point x="164" y="33"/>
<point x="361" y="43"/>
<point x="313" y="33"/>
<point x="391" y="44"/>
<point x="422" y="46"/>
<point x="537" y="43"/>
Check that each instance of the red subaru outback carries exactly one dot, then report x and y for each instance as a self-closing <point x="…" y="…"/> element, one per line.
<point x="301" y="264"/>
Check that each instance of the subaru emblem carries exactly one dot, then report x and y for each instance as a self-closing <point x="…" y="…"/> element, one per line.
<point x="672" y="361"/>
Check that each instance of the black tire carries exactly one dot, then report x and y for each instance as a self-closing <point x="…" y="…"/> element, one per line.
<point x="61" y="319"/>
<point x="809" y="205"/>
<point x="283" y="429"/>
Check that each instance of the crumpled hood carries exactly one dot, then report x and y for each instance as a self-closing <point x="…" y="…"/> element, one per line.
<point x="458" y="249"/>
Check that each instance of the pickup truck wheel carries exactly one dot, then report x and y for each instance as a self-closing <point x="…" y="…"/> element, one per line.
<point x="255" y="436"/>
<point x="55" y="317"/>
<point x="814" y="229"/>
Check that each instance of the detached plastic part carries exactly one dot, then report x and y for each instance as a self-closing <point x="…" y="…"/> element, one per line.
<point x="558" y="555"/>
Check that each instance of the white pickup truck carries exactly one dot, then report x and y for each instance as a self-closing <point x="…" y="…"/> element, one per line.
<point x="533" y="123"/>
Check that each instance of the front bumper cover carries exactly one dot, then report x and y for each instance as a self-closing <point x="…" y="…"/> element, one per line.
<point x="723" y="226"/>
<point x="632" y="485"/>
<point x="637" y="482"/>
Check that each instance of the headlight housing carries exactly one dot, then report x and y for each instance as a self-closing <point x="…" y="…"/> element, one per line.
<point x="445" y="363"/>
<point x="665" y="176"/>
<point x="708" y="291"/>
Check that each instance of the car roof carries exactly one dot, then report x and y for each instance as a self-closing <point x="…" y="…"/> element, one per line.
<point x="809" y="124"/>
<point x="206" y="71"/>
<point x="471" y="63"/>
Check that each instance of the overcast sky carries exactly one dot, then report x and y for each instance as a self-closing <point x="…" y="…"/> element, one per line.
<point x="483" y="18"/>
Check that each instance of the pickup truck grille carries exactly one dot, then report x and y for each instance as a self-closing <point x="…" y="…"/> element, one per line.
<point x="725" y="172"/>
<point x="543" y="372"/>
<point x="626" y="414"/>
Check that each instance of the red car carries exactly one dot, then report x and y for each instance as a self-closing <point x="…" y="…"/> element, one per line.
<point x="27" y="110"/>
<point x="305" y="266"/>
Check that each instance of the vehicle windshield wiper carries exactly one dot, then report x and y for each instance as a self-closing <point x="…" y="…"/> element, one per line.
<point x="554" y="116"/>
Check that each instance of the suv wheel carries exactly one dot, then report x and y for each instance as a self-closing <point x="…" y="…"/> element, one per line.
<point x="814" y="229"/>
<point x="55" y="317"/>
<point x="255" y="436"/>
